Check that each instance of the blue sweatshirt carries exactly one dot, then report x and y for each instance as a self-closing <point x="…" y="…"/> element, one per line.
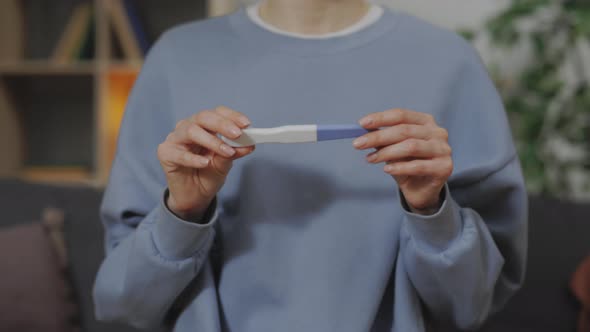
<point x="311" y="237"/>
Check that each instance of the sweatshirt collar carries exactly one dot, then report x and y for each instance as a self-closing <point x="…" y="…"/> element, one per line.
<point x="262" y="39"/>
<point x="372" y="16"/>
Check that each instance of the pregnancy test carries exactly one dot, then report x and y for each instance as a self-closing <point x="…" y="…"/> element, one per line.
<point x="295" y="134"/>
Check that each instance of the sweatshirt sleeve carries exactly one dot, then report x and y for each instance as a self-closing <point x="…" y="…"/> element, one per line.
<point x="151" y="254"/>
<point x="466" y="260"/>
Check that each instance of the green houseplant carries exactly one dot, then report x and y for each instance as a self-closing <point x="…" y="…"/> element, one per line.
<point x="548" y="99"/>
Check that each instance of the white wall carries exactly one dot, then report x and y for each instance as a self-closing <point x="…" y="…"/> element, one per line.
<point x="457" y="14"/>
<point x="451" y="14"/>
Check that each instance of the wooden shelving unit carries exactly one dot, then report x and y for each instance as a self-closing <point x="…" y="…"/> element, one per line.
<point x="58" y="120"/>
<point x="31" y="68"/>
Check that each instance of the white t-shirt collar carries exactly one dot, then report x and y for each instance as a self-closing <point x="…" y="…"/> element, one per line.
<point x="375" y="12"/>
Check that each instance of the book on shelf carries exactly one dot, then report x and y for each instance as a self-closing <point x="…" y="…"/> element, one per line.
<point x="137" y="26"/>
<point x="85" y="51"/>
<point x="78" y="39"/>
<point x="77" y="34"/>
<point x="124" y="31"/>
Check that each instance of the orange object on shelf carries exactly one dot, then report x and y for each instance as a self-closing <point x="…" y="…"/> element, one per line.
<point x="119" y="82"/>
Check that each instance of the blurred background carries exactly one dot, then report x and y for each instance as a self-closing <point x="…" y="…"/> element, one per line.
<point x="67" y="66"/>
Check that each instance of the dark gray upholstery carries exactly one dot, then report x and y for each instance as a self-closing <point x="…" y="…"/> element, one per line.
<point x="34" y="292"/>
<point x="22" y="202"/>
<point x="559" y="238"/>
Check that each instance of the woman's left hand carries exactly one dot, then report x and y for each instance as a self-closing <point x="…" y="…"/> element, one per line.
<point x="416" y="152"/>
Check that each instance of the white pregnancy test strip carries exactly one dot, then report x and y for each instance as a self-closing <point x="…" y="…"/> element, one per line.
<point x="284" y="134"/>
<point x="295" y="134"/>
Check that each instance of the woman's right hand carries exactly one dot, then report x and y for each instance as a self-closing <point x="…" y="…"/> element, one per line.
<point x="196" y="162"/>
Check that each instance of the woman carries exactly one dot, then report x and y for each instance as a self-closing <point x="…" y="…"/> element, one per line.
<point x="312" y="237"/>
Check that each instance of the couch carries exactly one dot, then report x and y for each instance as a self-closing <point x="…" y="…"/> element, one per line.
<point x="559" y="239"/>
<point x="22" y="202"/>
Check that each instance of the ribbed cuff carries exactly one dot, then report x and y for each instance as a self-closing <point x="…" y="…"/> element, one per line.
<point x="179" y="239"/>
<point x="436" y="231"/>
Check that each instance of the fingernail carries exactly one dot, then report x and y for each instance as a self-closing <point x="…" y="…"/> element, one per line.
<point x="372" y="157"/>
<point x="227" y="150"/>
<point x="359" y="142"/>
<point x="365" y="121"/>
<point x="244" y="121"/>
<point x="203" y="161"/>
<point x="236" y="132"/>
<point x="389" y="168"/>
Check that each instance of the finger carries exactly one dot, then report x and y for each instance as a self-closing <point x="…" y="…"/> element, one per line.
<point x="410" y="148"/>
<point x="440" y="167"/>
<point x="172" y="155"/>
<point x="238" y="118"/>
<point x="393" y="135"/>
<point x="242" y="152"/>
<point x="218" y="124"/>
<point x="395" y="117"/>
<point x="181" y="123"/>
<point x="223" y="165"/>
<point x="199" y="136"/>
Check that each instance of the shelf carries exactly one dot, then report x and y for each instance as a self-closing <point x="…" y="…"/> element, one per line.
<point x="55" y="114"/>
<point x="122" y="66"/>
<point x="71" y="174"/>
<point x="32" y="68"/>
